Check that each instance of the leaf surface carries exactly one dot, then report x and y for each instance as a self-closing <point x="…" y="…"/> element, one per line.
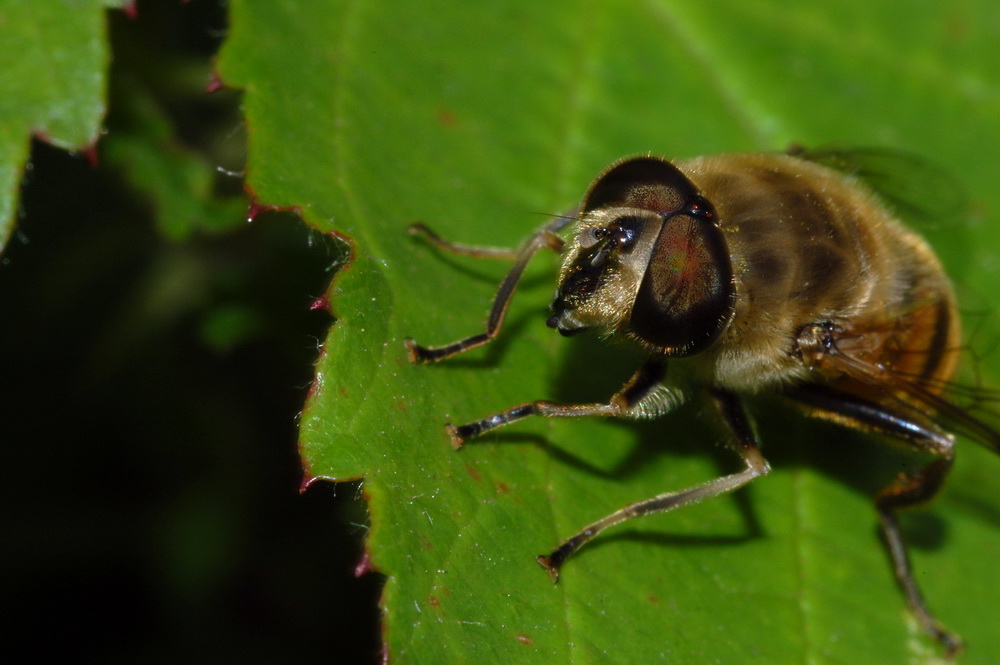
<point x="474" y="118"/>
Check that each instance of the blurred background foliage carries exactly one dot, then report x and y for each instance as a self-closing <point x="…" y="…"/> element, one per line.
<point x="157" y="349"/>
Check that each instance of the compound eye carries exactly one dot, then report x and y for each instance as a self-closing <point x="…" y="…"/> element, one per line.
<point x="687" y="295"/>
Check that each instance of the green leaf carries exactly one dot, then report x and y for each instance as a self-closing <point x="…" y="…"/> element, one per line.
<point x="53" y="62"/>
<point x="476" y="117"/>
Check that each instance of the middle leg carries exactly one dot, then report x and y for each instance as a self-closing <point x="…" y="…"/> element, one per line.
<point x="744" y="441"/>
<point x="642" y="395"/>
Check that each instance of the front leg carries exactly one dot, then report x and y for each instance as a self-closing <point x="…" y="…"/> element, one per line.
<point x="543" y="238"/>
<point x="643" y="396"/>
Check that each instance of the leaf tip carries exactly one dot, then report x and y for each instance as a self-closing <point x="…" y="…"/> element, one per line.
<point x="90" y="154"/>
<point x="364" y="565"/>
<point x="215" y="83"/>
<point x="323" y="302"/>
<point x="256" y="207"/>
<point x="307" y="481"/>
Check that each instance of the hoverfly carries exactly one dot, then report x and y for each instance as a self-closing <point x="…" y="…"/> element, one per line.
<point x="751" y="273"/>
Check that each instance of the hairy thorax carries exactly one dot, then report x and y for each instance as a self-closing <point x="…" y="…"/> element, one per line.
<point x="810" y="246"/>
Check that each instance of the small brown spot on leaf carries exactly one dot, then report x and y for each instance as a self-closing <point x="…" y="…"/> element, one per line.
<point x="524" y="639"/>
<point x="427" y="544"/>
<point x="957" y="29"/>
<point x="474" y="472"/>
<point x="342" y="391"/>
<point x="401" y="405"/>
<point x="653" y="599"/>
<point x="503" y="488"/>
<point x="433" y="601"/>
<point x="446" y="117"/>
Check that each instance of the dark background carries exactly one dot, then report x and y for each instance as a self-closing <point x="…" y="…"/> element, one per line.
<point x="150" y="478"/>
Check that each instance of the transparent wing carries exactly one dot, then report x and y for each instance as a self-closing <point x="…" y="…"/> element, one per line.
<point x="957" y="408"/>
<point x="918" y="190"/>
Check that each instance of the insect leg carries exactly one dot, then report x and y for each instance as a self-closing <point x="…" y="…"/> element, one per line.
<point x="638" y="397"/>
<point x="477" y="251"/>
<point x="744" y="441"/>
<point x="906" y="490"/>
<point x="544" y="237"/>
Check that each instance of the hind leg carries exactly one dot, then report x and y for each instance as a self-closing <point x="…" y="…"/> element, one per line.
<point x="906" y="490"/>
